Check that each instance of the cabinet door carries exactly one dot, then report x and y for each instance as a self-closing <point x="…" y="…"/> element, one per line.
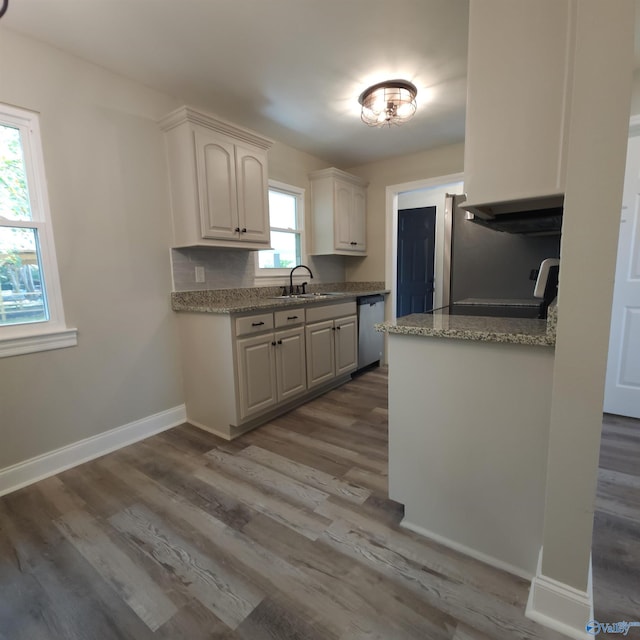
<point x="358" y="221"/>
<point x="253" y="203"/>
<point x="516" y="100"/>
<point x="216" y="178"/>
<point x="346" y="344"/>
<point x="320" y="353"/>
<point x="342" y="215"/>
<point x="256" y="374"/>
<point x="291" y="374"/>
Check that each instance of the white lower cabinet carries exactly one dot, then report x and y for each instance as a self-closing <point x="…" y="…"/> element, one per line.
<point x="346" y="344"/>
<point x="240" y="371"/>
<point x="256" y="374"/>
<point x="332" y="343"/>
<point x="291" y="375"/>
<point x="320" y="352"/>
<point x="271" y="369"/>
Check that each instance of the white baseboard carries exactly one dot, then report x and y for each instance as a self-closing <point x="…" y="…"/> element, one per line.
<point x="213" y="430"/>
<point x="560" y="607"/>
<point x="468" y="551"/>
<point x="48" y="464"/>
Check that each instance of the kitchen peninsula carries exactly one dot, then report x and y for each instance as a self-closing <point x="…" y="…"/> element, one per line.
<point x="471" y="470"/>
<point x="481" y="328"/>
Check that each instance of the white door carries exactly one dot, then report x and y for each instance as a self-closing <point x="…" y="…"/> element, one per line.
<point x="622" y="387"/>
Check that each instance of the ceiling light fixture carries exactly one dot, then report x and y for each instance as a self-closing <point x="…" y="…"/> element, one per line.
<point x="387" y="103"/>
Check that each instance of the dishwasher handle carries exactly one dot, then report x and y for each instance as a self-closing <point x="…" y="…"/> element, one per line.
<point x="370" y="300"/>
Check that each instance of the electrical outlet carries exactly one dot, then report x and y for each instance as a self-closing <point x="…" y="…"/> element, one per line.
<point x="199" y="273"/>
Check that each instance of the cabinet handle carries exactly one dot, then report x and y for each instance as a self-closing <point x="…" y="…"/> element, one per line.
<point x="338" y="328"/>
<point x="273" y="344"/>
<point x="333" y="328"/>
<point x="292" y="317"/>
<point x="237" y="229"/>
<point x="279" y="341"/>
<point x="353" y="243"/>
<point x="244" y="230"/>
<point x="257" y="324"/>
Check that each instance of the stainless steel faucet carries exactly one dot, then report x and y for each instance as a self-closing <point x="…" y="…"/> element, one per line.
<point x="299" y="266"/>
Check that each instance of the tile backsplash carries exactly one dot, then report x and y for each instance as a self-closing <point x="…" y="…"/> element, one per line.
<point x="235" y="269"/>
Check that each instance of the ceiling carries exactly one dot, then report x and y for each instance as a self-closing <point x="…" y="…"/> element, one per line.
<point x="289" y="69"/>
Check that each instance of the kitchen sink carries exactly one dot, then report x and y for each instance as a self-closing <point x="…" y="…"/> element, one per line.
<point x="308" y="296"/>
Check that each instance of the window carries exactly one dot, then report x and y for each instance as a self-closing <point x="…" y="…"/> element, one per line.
<point x="31" y="315"/>
<point x="286" y="216"/>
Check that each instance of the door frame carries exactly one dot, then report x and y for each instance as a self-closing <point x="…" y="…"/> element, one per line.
<point x="442" y="245"/>
<point x="615" y="333"/>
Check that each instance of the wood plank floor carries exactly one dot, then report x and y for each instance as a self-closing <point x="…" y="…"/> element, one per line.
<point x="285" y="533"/>
<point x="616" y="527"/>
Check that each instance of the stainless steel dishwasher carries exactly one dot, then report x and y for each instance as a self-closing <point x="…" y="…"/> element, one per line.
<point x="370" y="341"/>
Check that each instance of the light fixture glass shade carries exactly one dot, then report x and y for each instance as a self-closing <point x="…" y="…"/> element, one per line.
<point x="387" y="103"/>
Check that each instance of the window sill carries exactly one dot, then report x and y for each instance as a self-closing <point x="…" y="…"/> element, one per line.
<point x="41" y="341"/>
<point x="276" y="279"/>
<point x="273" y="273"/>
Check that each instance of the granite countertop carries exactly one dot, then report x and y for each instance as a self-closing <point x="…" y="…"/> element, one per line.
<point x="264" y="298"/>
<point x="483" y="329"/>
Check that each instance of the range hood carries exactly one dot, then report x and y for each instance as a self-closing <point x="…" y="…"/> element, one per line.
<point x="532" y="216"/>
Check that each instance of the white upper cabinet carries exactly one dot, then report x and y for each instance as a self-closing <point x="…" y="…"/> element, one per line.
<point x="517" y="103"/>
<point x="253" y="202"/>
<point x="338" y="210"/>
<point x="219" y="182"/>
<point x="216" y="181"/>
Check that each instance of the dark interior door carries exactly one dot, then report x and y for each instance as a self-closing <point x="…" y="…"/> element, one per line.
<point x="416" y="248"/>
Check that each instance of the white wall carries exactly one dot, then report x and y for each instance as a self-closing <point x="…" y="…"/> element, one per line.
<point x="107" y="178"/>
<point x="469" y="477"/>
<point x="418" y="166"/>
<point x="635" y="95"/>
<point x="428" y="197"/>
<point x="599" y="121"/>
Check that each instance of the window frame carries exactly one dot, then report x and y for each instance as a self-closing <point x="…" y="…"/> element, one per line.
<point x="276" y="274"/>
<point x="17" y="339"/>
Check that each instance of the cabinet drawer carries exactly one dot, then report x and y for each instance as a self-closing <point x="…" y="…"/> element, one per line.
<point x="289" y="317"/>
<point x="254" y="324"/>
<point x="331" y="311"/>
